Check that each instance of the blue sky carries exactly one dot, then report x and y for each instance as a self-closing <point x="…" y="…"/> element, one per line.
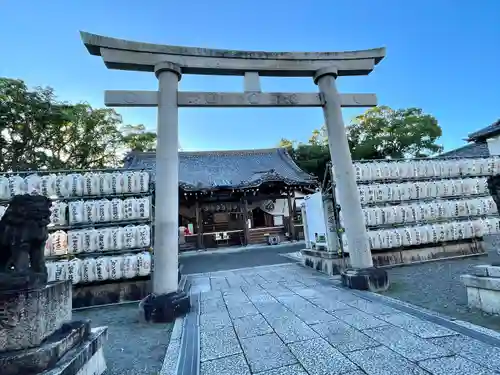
<point x="442" y="56"/>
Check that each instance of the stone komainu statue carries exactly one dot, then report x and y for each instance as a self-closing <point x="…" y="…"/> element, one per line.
<point x="494" y="189"/>
<point x="23" y="232"/>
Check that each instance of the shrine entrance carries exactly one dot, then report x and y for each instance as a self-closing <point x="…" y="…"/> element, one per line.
<point x="169" y="63"/>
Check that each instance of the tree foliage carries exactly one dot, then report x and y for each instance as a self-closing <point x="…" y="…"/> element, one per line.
<point x="378" y="133"/>
<point x="37" y="131"/>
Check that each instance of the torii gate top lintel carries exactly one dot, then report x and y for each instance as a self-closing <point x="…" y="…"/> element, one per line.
<point x="129" y="55"/>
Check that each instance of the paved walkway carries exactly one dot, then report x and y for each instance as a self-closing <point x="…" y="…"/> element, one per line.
<point x="286" y="319"/>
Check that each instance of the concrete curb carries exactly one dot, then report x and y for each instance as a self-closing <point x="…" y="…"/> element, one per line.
<point x="172" y="355"/>
<point x="171" y="361"/>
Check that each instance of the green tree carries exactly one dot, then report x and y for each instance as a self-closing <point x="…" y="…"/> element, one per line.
<point x="37" y="131"/>
<point x="136" y="138"/>
<point x="378" y="133"/>
<point x="382" y="132"/>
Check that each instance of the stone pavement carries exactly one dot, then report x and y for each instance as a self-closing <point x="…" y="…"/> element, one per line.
<point x="287" y="319"/>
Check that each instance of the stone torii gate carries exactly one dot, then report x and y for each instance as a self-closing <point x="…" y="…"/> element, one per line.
<point x="170" y="62"/>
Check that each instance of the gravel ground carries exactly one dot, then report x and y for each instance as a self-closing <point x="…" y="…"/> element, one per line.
<point x="436" y="286"/>
<point x="132" y="347"/>
<point x="246" y="258"/>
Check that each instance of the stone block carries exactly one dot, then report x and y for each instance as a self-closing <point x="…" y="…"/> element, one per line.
<point x="487" y="271"/>
<point x="30" y="316"/>
<point x="490" y="283"/>
<point x="250" y="326"/>
<point x="218" y="343"/>
<point x="453" y="366"/>
<point x="372" y="279"/>
<point x="406" y="344"/>
<point x="484" y="299"/>
<point x="266" y="352"/>
<point x="233" y="364"/>
<point x="318" y="357"/>
<point x="36" y="360"/>
<point x="323" y="261"/>
<point x="382" y="360"/>
<point x="86" y="358"/>
<point x="491" y="244"/>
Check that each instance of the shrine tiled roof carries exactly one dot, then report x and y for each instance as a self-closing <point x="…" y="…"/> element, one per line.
<point x="210" y="170"/>
<point x="471" y="150"/>
<point x="485" y="133"/>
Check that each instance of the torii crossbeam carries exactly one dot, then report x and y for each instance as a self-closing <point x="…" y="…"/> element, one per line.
<point x="170" y="62"/>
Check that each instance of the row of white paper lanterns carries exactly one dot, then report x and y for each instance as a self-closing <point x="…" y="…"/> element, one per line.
<point x="97" y="211"/>
<point x="396" y="192"/>
<point x="415" y="212"/>
<point x="429" y="168"/>
<point x="100" y="269"/>
<point x="429" y="234"/>
<point x="76" y="184"/>
<point x="91" y="240"/>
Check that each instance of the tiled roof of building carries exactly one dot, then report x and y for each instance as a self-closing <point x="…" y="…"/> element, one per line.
<point x="208" y="170"/>
<point x="487" y="132"/>
<point x="470" y="150"/>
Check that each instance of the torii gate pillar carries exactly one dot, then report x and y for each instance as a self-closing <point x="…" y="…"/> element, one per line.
<point x="168" y="62"/>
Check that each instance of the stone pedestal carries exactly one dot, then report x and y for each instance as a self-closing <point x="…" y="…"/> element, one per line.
<point x="37" y="335"/>
<point x="324" y="261"/>
<point x="372" y="279"/>
<point x="483" y="288"/>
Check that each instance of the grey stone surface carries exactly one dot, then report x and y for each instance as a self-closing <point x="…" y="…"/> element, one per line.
<point x="417" y="326"/>
<point x="239" y="310"/>
<point x="378" y="338"/>
<point x="454" y="365"/>
<point x="383" y="361"/>
<point x="211" y="294"/>
<point x="291" y="329"/>
<point x="329" y="305"/>
<point x="471" y="349"/>
<point x="305" y="310"/>
<point x="286" y="370"/>
<point x="215" y="320"/>
<point x="218" y="343"/>
<point x="34" y="314"/>
<point x="219" y="283"/>
<point x="358" y="319"/>
<point x="343" y="337"/>
<point x="231" y="365"/>
<point x="372" y="308"/>
<point x="318" y="357"/>
<point x="249" y="326"/>
<point x="212" y="305"/>
<point x="408" y="345"/>
<point x="266" y="352"/>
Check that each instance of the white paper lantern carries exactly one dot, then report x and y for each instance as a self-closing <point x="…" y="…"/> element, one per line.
<point x="103" y="268"/>
<point x="88" y="270"/>
<point x="75" y="271"/>
<point x="75" y="210"/>
<point x="75" y="241"/>
<point x="115" y="267"/>
<point x="144" y="263"/>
